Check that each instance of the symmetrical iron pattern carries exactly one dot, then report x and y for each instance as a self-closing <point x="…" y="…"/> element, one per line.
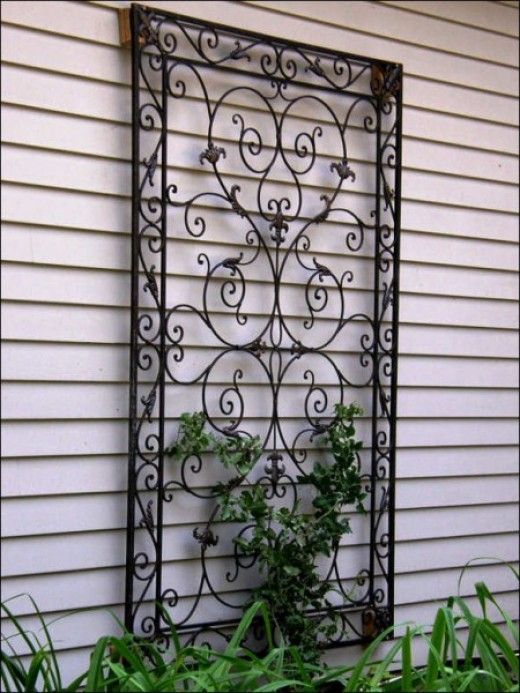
<point x="263" y="302"/>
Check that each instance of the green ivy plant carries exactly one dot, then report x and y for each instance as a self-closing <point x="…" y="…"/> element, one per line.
<point x="286" y="542"/>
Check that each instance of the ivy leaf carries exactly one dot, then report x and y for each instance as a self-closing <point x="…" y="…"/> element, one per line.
<point x="291" y="570"/>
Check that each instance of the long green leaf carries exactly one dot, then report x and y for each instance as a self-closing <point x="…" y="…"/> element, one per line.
<point x="407" y="662"/>
<point x="53" y="667"/>
<point x="95" y="677"/>
<point x="354" y="681"/>
<point x="35" y="669"/>
<point x="15" y="670"/>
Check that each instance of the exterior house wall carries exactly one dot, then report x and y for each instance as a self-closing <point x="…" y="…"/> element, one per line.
<point x="66" y="147"/>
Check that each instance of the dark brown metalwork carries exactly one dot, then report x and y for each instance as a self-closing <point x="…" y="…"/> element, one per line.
<point x="273" y="201"/>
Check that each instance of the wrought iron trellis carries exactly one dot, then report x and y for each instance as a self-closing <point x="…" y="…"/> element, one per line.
<point x="183" y="65"/>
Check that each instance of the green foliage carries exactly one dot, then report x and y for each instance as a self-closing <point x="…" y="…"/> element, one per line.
<point x="486" y="661"/>
<point x="287" y="543"/>
<point x="233" y="451"/>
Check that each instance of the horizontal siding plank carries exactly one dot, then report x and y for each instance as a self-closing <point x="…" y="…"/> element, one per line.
<point x="104" y="587"/>
<point x="108" y="177"/>
<point x="429" y="264"/>
<point x="380" y="20"/>
<point x="450" y="258"/>
<point x="80" y="20"/>
<point x="70" y="209"/>
<point x="33" y="438"/>
<point x="85" y="326"/>
<point x="445" y="462"/>
<point x="106" y="101"/>
<point x="477" y="13"/>
<point x="46" y="254"/>
<point x="418" y="60"/>
<point x="95" y="23"/>
<point x="102" y="400"/>
<point x="87" y="513"/>
<point x="80" y="134"/>
<point x="111" y="289"/>
<point x="62" y="54"/>
<point x="68" y="401"/>
<point x="26" y="477"/>
<point x="99" y="364"/>
<point x="107" y="549"/>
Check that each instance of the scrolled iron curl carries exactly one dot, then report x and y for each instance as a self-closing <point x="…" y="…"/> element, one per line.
<point x="148" y="625"/>
<point x="148" y="113"/>
<point x="144" y="359"/>
<point x="386" y="340"/>
<point x="367" y="356"/>
<point x="316" y="297"/>
<point x="145" y="324"/>
<point x="198" y="222"/>
<point x="269" y="63"/>
<point x="209" y="36"/>
<point x="175" y="350"/>
<point x="386" y="258"/>
<point x="183" y="484"/>
<point x="255" y="146"/>
<point x="151" y="210"/>
<point x="385" y="366"/>
<point x="151" y="478"/>
<point x="381" y="439"/>
<point x="141" y="563"/>
<point x="339" y="66"/>
<point x="154" y="240"/>
<point x="387" y="237"/>
<point x="151" y="443"/>
<point x="382" y="545"/>
<point x="232" y="293"/>
<point x="382" y="466"/>
<point x="227" y="406"/>
<point x="178" y="89"/>
<point x="305" y="146"/>
<point x="237" y="556"/>
<point x="175" y="333"/>
<point x="253" y="238"/>
<point x="305" y="242"/>
<point x="319" y="405"/>
<point x="379" y="595"/>
<point x="170" y="598"/>
<point x="390" y="155"/>
<point x="369" y="124"/>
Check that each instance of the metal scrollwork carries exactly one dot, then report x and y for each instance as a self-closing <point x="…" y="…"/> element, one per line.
<point x="291" y="212"/>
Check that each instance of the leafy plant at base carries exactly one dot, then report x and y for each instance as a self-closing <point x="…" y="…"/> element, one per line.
<point x="286" y="542"/>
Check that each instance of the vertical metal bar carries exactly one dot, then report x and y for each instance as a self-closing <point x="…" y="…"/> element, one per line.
<point x="375" y="352"/>
<point x="162" y="364"/>
<point x="130" y="535"/>
<point x="395" y="346"/>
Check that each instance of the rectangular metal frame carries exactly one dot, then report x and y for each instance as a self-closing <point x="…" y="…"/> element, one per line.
<point x="289" y="64"/>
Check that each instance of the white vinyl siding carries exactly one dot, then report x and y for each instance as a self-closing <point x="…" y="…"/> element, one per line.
<point x="66" y="155"/>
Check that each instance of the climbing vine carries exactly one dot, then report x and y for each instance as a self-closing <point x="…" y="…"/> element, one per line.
<point x="286" y="542"/>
